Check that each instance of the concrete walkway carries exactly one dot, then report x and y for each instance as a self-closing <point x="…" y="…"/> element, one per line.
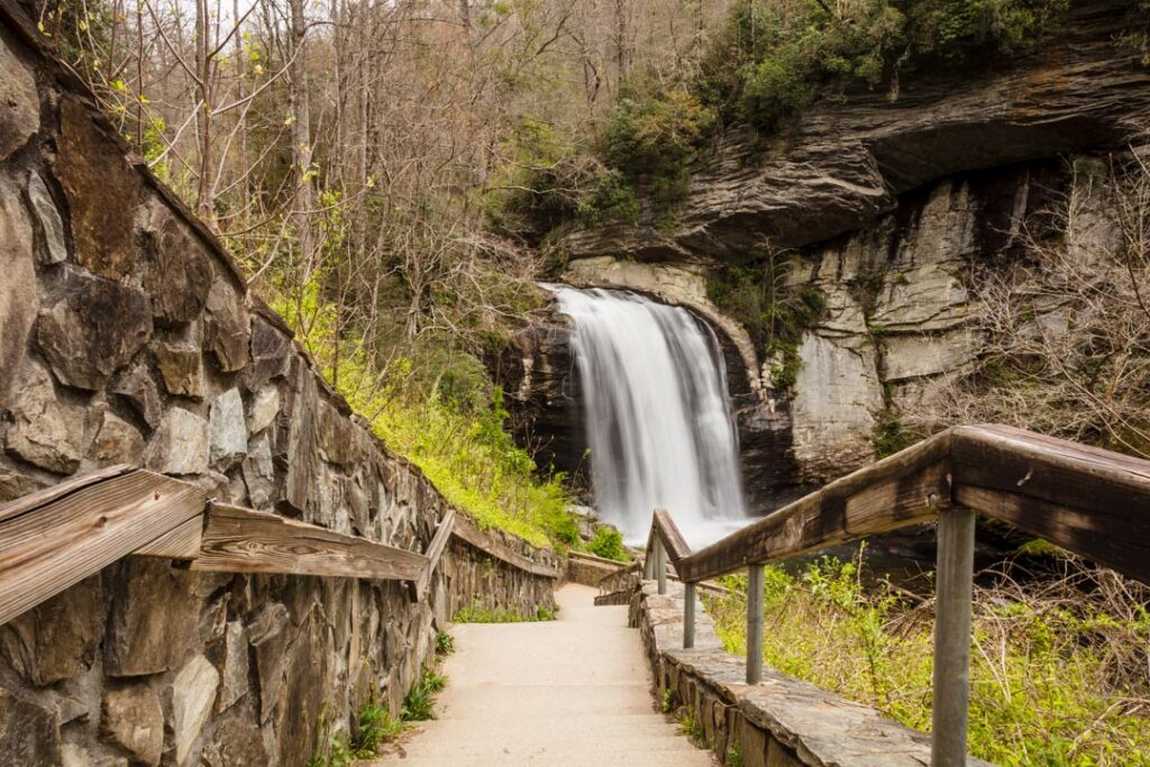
<point x="573" y="692"/>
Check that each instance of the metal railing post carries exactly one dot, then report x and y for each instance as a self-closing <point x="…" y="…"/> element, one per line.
<point x="688" y="616"/>
<point x="954" y="587"/>
<point x="661" y="565"/>
<point x="754" y="624"/>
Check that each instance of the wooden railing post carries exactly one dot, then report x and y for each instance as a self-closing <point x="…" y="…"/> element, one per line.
<point x="954" y="587"/>
<point x="754" y="624"/>
<point x="661" y="565"/>
<point x="688" y="616"/>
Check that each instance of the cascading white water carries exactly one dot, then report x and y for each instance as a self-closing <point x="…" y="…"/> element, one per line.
<point x="658" y="417"/>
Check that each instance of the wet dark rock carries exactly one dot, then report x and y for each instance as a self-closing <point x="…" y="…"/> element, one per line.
<point x="226" y="331"/>
<point x="177" y="272"/>
<point x="89" y="327"/>
<point x="102" y="191"/>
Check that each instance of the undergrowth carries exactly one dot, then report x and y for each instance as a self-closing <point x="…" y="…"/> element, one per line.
<point x="476" y="613"/>
<point x="451" y="427"/>
<point x="1060" y="672"/>
<point x="775" y="311"/>
<point x="608" y="543"/>
<point x="419" y="705"/>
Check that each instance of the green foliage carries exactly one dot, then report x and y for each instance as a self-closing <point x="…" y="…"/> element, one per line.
<point x="444" y="644"/>
<point x="438" y="409"/>
<point x="668" y="702"/>
<point x="477" y="613"/>
<point x="773" y="309"/>
<point x="545" y="180"/>
<point x="890" y="435"/>
<point x="374" y="728"/>
<point x="692" y="727"/>
<point x="734" y="756"/>
<point x="1051" y="675"/>
<point x="773" y="60"/>
<point x="608" y="543"/>
<point x="611" y="198"/>
<point x="419" y="705"/>
<point x="656" y="134"/>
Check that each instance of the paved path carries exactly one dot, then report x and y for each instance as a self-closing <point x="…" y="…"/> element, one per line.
<point x="574" y="692"/>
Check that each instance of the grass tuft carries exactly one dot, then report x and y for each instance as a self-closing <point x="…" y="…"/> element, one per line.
<point x="1058" y="673"/>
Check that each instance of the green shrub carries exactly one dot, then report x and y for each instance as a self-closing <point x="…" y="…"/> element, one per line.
<point x="419" y="705"/>
<point x="437" y="408"/>
<point x="889" y="435"/>
<point x="608" y="543"/>
<point x="772" y="60"/>
<point x="444" y="644"/>
<point x="375" y="727"/>
<point x="655" y="133"/>
<point x="772" y="309"/>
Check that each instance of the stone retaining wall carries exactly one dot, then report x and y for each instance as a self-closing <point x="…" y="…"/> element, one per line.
<point x="780" y="722"/>
<point x="127" y="335"/>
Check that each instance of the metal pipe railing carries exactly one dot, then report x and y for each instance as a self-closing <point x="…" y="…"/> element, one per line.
<point x="1048" y="487"/>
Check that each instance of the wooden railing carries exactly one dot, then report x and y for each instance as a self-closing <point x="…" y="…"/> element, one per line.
<point x="1092" y="502"/>
<point x="54" y="538"/>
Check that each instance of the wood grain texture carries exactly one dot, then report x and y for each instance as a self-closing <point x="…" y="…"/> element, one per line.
<point x="181" y="543"/>
<point x="1112" y="539"/>
<point x="467" y="531"/>
<point x="1056" y="471"/>
<point x="673" y="542"/>
<point x="873" y="500"/>
<point x="46" y="549"/>
<point x="239" y="540"/>
<point x="41" y="497"/>
<point x="434" y="552"/>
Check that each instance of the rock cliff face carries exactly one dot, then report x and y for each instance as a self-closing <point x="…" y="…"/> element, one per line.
<point x="886" y="206"/>
<point x="127" y="336"/>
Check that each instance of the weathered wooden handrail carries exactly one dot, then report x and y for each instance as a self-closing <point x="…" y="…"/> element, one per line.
<point x="54" y="538"/>
<point x="1092" y="502"/>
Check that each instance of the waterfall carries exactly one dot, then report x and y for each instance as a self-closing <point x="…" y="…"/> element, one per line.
<point x="658" y="416"/>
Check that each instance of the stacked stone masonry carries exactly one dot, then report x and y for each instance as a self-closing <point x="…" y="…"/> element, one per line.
<point x="128" y="336"/>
